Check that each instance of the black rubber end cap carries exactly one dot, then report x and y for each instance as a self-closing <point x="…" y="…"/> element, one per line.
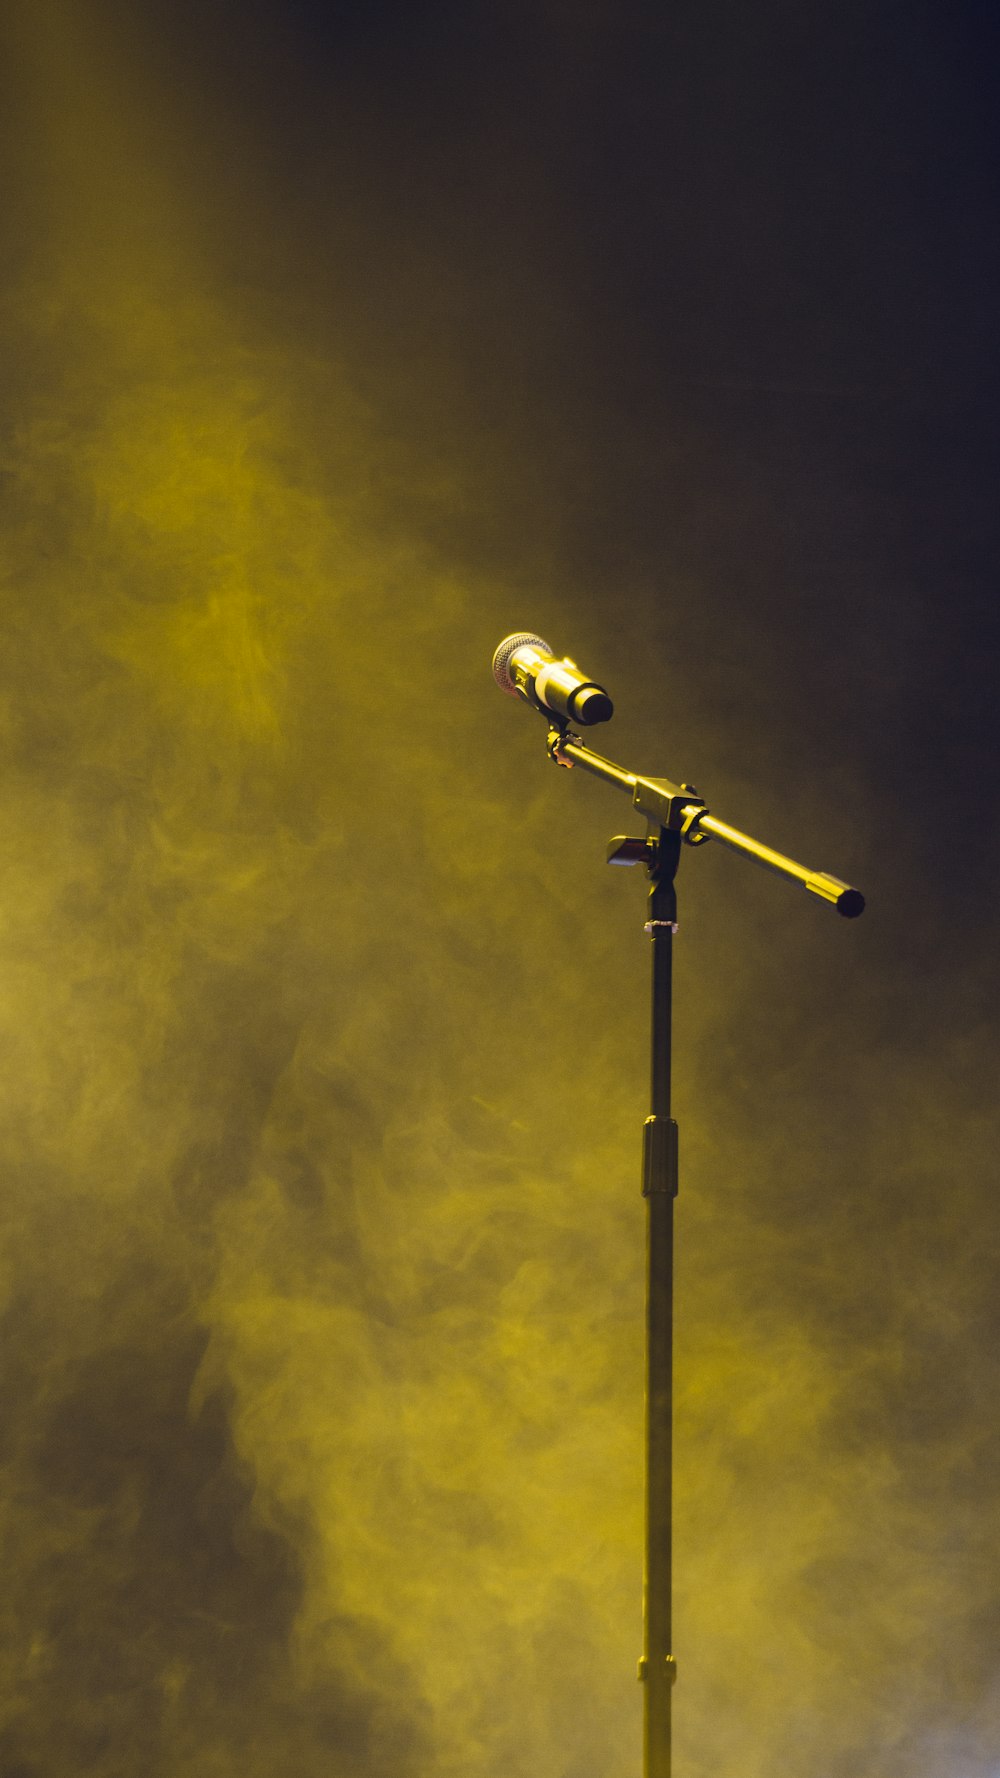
<point x="851" y="904"/>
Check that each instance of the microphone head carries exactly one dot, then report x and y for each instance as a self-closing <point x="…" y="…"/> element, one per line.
<point x="509" y="647"/>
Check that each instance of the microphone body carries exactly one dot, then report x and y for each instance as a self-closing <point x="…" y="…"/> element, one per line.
<point x="526" y="667"/>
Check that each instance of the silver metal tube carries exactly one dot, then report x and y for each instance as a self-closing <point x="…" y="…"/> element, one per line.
<point x="845" y="899"/>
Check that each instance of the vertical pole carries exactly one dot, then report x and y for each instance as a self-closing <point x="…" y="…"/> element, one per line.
<point x="657" y="1669"/>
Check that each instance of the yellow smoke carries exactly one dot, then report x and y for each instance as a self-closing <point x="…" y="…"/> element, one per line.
<point x="324" y="1063"/>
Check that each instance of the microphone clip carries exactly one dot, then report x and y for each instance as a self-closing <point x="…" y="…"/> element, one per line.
<point x="561" y="735"/>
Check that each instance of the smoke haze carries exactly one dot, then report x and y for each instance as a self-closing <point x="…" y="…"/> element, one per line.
<point x="335" y="349"/>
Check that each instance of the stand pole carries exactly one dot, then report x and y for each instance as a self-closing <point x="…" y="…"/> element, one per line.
<point x="659" y="1185"/>
<point x="675" y="815"/>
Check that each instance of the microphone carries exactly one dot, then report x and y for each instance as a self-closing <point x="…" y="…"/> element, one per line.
<point x="526" y="667"/>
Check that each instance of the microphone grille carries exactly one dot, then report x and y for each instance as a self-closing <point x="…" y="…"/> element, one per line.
<point x="508" y="647"/>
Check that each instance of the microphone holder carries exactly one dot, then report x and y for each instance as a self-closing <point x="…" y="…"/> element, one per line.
<point x="675" y="815"/>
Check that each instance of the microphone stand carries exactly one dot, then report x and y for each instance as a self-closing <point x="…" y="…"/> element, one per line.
<point x="675" y="815"/>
